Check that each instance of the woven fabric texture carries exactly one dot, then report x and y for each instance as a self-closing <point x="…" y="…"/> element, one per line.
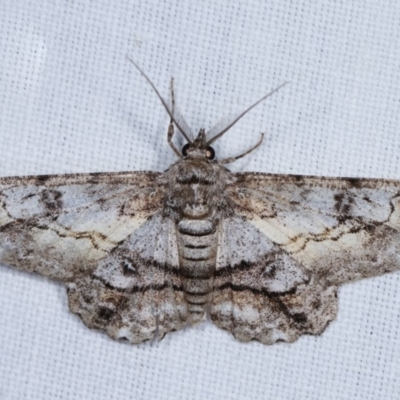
<point x="72" y="102"/>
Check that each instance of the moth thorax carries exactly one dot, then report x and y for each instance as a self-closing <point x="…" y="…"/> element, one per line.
<point x="196" y="210"/>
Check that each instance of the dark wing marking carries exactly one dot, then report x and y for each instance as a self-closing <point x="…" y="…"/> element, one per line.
<point x="60" y="226"/>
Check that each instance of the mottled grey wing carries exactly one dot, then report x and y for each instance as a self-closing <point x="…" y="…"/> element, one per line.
<point x="334" y="230"/>
<point x="60" y="225"/>
<point x="339" y="228"/>
<point x="100" y="234"/>
<point x="261" y="292"/>
<point x="135" y="292"/>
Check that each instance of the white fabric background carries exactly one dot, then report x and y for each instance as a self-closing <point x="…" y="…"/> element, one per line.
<point x="71" y="102"/>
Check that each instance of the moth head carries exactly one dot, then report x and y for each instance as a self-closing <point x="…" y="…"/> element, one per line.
<point x="199" y="148"/>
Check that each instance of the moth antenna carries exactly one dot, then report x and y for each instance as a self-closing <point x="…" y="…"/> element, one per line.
<point x="177" y="114"/>
<point x="171" y="132"/>
<point x="218" y="135"/>
<point x="162" y="100"/>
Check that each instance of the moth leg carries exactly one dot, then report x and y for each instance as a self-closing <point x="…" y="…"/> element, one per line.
<point x="232" y="159"/>
<point x="171" y="122"/>
<point x="170" y="134"/>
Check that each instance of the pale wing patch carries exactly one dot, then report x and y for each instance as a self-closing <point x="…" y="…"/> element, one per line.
<point x="247" y="258"/>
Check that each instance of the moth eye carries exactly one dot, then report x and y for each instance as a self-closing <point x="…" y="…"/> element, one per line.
<point x="210" y="153"/>
<point x="185" y="149"/>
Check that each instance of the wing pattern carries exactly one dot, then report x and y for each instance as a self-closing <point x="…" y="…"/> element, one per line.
<point x="334" y="230"/>
<point x="284" y="245"/>
<point x="99" y="234"/>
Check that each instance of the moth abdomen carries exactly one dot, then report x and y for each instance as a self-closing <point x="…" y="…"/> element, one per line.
<point x="199" y="269"/>
<point x="196" y="227"/>
<point x="197" y="248"/>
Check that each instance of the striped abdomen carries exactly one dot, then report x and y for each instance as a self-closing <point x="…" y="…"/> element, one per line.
<point x="197" y="241"/>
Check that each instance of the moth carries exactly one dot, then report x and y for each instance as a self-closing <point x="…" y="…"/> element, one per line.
<point x="143" y="254"/>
